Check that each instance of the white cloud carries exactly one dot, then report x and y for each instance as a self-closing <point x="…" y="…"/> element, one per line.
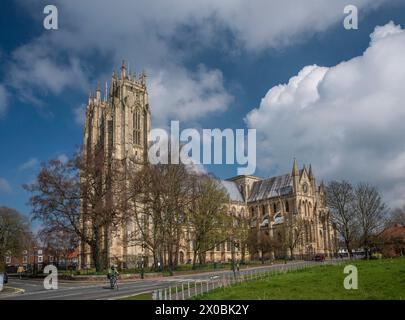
<point x="196" y="168"/>
<point x="30" y="164"/>
<point x="63" y="158"/>
<point x="35" y="71"/>
<point x="3" y="100"/>
<point x="348" y="120"/>
<point x="80" y="115"/>
<point x="254" y="24"/>
<point x="4" y="186"/>
<point x="143" y="32"/>
<point x="181" y="95"/>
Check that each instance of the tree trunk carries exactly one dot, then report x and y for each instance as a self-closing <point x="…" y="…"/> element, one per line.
<point x="243" y="253"/>
<point x="96" y="258"/>
<point x="2" y="263"/>
<point x="95" y="252"/>
<point x="170" y="258"/>
<point x="106" y="258"/>
<point x="367" y="252"/>
<point x="194" y="259"/>
<point x="349" y="249"/>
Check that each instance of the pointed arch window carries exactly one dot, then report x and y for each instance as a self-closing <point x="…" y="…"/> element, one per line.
<point x="137" y="127"/>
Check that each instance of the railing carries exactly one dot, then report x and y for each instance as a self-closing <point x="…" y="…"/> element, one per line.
<point x="182" y="289"/>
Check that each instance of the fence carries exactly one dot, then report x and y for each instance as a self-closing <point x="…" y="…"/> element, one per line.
<point x="182" y="289"/>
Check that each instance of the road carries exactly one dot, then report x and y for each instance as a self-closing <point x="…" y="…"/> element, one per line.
<point x="74" y="290"/>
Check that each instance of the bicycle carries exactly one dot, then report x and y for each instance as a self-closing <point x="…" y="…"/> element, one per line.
<point x="113" y="282"/>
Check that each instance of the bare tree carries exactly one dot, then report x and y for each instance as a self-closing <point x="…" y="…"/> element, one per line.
<point x="14" y="233"/>
<point x="81" y="196"/>
<point x="339" y="198"/>
<point x="59" y="244"/>
<point x="397" y="216"/>
<point x="293" y="229"/>
<point x="241" y="230"/>
<point x="145" y="203"/>
<point x="264" y="244"/>
<point x="176" y="198"/>
<point x="370" y="211"/>
<point x="160" y="196"/>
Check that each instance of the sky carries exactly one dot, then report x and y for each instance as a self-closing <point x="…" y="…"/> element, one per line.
<point x="313" y="90"/>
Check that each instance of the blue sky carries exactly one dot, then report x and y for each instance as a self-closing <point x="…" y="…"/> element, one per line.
<point x="222" y="59"/>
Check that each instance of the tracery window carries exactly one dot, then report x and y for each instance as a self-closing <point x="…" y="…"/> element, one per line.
<point x="137" y="127"/>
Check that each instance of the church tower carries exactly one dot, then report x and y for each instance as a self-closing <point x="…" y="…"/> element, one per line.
<point x="120" y="123"/>
<point x="117" y="125"/>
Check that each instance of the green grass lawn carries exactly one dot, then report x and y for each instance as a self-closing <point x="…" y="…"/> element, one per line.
<point x="377" y="279"/>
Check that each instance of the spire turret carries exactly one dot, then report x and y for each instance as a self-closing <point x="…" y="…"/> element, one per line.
<point x="90" y="98"/>
<point x="142" y="77"/>
<point x="295" y="171"/>
<point x="310" y="173"/>
<point x="98" y="93"/>
<point x="123" y="70"/>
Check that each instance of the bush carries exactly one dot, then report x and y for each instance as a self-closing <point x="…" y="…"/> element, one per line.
<point x="376" y="255"/>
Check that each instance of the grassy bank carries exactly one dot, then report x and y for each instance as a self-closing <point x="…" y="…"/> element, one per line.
<point x="377" y="279"/>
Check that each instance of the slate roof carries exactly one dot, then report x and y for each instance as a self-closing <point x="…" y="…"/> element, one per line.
<point x="262" y="189"/>
<point x="232" y="189"/>
<point x="271" y="187"/>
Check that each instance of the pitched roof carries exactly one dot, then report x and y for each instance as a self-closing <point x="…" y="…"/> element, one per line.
<point x="396" y="231"/>
<point x="232" y="189"/>
<point x="73" y="254"/>
<point x="271" y="187"/>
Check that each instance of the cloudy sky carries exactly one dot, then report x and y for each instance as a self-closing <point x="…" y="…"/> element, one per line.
<point x="312" y="89"/>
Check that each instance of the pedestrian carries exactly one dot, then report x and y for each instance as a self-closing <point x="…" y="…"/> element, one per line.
<point x="20" y="271"/>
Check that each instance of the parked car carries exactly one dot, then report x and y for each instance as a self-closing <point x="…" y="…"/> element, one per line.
<point x="319" y="257"/>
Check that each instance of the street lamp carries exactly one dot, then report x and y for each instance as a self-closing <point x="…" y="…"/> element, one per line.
<point x="234" y="245"/>
<point x="143" y="261"/>
<point x="34" y="267"/>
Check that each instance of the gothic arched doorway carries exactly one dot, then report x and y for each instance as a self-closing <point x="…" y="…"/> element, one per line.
<point x="181" y="257"/>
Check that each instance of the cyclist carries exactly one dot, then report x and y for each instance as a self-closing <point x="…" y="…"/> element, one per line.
<point x="112" y="275"/>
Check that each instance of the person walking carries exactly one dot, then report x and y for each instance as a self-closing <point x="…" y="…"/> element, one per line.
<point x="20" y="271"/>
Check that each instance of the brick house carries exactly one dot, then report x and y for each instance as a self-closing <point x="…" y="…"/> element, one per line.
<point x="391" y="241"/>
<point x="31" y="259"/>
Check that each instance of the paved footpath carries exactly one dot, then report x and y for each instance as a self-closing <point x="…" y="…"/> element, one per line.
<point x="33" y="289"/>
